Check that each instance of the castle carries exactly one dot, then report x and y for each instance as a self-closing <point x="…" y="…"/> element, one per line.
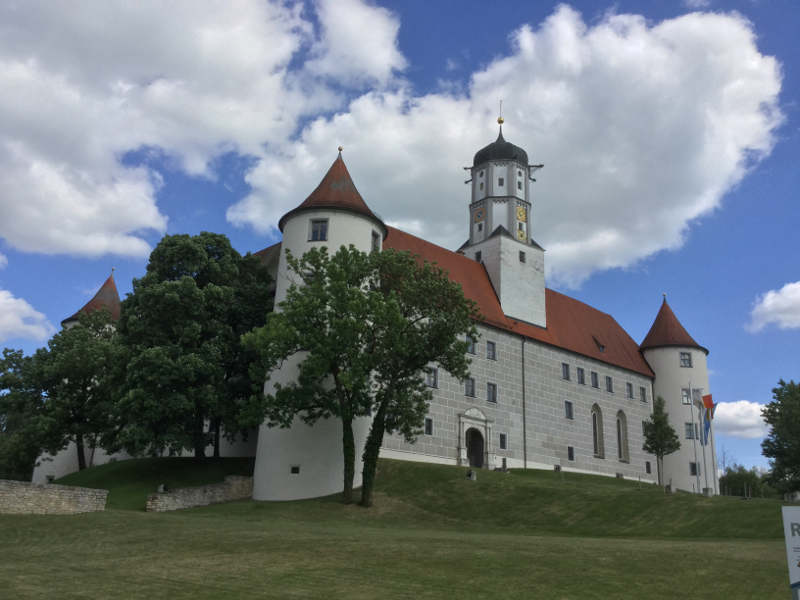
<point x="554" y="383"/>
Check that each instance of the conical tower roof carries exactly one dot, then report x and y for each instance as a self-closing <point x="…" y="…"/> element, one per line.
<point x="336" y="191"/>
<point x="106" y="297"/>
<point x="668" y="331"/>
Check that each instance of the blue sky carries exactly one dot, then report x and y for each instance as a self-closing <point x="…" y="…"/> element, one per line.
<point x="668" y="130"/>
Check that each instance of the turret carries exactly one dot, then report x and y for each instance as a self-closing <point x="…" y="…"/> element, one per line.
<point x="107" y="297"/>
<point x="681" y="379"/>
<point x="306" y="461"/>
<point x="500" y="229"/>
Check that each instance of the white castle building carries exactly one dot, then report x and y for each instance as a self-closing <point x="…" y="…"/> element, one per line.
<point x="554" y="382"/>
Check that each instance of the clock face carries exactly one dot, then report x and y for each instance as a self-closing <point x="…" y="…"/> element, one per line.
<point x="521" y="213"/>
<point x="479" y="215"/>
<point x="521" y="235"/>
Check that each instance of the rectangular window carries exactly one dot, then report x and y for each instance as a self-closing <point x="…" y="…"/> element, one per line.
<point x="501" y="182"/>
<point x="595" y="383"/>
<point x="470" y="344"/>
<point x="568" y="409"/>
<point x="629" y="389"/>
<point x="469" y="387"/>
<point x="643" y="426"/>
<point x="376" y="241"/>
<point x="570" y="453"/>
<point x="294" y="470"/>
<point x="318" y="231"/>
<point x="643" y="394"/>
<point x="521" y="256"/>
<point x="686" y="359"/>
<point x="686" y="397"/>
<point x="689" y="428"/>
<point x="428" y="426"/>
<point x="477" y="257"/>
<point x="581" y="376"/>
<point x="519" y="185"/>
<point x="432" y="378"/>
<point x="609" y="384"/>
<point x="697" y="396"/>
<point x="503" y="441"/>
<point x="694" y="469"/>
<point x="491" y="352"/>
<point x="565" y="371"/>
<point x="491" y="392"/>
<point x="647" y="466"/>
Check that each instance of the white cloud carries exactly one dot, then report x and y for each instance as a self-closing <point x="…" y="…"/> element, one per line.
<point x="642" y="128"/>
<point x="358" y="43"/>
<point x="741" y="419"/>
<point x="3" y="261"/>
<point x="781" y="307"/>
<point x="696" y="4"/>
<point x="18" y="319"/>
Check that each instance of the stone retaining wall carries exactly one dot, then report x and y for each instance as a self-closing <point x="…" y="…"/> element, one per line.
<point x="22" y="497"/>
<point x="235" y="487"/>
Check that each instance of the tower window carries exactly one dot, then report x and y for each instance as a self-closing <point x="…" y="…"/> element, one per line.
<point x="376" y="241"/>
<point x="480" y="174"/>
<point x="478" y="256"/>
<point x="519" y="185"/>
<point x="480" y="187"/>
<point x="501" y="181"/>
<point x="686" y="359"/>
<point x="480" y="226"/>
<point x="318" y="231"/>
<point x="521" y="256"/>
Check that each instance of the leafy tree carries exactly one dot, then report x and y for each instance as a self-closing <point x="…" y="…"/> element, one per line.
<point x="20" y="407"/>
<point x="660" y="438"/>
<point x="422" y="320"/>
<point x="739" y="481"/>
<point x="187" y="377"/>
<point x="349" y="318"/>
<point x="782" y="444"/>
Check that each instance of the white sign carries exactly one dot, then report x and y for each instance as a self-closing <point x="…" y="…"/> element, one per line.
<point x="791" y="530"/>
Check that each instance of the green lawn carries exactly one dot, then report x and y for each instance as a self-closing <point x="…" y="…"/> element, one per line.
<point x="432" y="534"/>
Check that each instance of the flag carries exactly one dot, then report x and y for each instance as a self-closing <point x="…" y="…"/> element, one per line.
<point x="708" y="414"/>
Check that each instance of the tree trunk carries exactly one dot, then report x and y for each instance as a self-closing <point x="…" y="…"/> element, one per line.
<point x="199" y="440"/>
<point x="349" y="449"/>
<point x="371" y="451"/>
<point x="217" y="427"/>
<point x="81" y="454"/>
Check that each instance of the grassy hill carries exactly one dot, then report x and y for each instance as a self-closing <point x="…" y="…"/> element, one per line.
<point x="432" y="534"/>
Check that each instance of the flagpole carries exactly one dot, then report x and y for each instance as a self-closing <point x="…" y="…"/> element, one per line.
<point x="704" y="439"/>
<point x="714" y="453"/>
<point x="694" y="437"/>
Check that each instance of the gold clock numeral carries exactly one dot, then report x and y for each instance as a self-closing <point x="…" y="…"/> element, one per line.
<point x="479" y="215"/>
<point x="521" y="235"/>
<point x="521" y="213"/>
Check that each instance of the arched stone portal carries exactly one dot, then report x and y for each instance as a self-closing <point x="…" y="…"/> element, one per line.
<point x="475" y="448"/>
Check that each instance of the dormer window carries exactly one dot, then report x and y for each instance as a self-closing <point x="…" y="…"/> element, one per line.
<point x="600" y="345"/>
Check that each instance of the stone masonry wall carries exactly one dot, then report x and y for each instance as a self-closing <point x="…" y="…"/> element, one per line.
<point x="22" y="497"/>
<point x="235" y="487"/>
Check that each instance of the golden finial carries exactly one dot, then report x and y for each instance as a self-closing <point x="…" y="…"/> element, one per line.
<point x="500" y="120"/>
<point x="340" y="148"/>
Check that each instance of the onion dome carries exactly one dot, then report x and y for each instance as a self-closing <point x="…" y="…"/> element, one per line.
<point x="500" y="149"/>
<point x="336" y="191"/>
<point x="668" y="331"/>
<point x="106" y="297"/>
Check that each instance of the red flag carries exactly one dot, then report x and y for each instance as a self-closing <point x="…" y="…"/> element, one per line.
<point x="707" y="402"/>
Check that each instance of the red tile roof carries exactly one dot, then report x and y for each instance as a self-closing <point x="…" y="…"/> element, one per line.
<point x="336" y="191"/>
<point x="571" y="324"/>
<point x="668" y="331"/>
<point x="106" y="297"/>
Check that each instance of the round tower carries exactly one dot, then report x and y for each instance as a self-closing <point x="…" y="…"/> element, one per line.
<point x="306" y="461"/>
<point x="681" y="379"/>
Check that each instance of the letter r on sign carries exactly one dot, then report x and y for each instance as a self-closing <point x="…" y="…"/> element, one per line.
<point x="795" y="529"/>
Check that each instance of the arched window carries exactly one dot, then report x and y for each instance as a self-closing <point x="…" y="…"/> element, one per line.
<point x="622" y="437"/>
<point x="597" y="431"/>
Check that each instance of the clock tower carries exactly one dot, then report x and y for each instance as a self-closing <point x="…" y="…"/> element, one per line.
<point x="500" y="228"/>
